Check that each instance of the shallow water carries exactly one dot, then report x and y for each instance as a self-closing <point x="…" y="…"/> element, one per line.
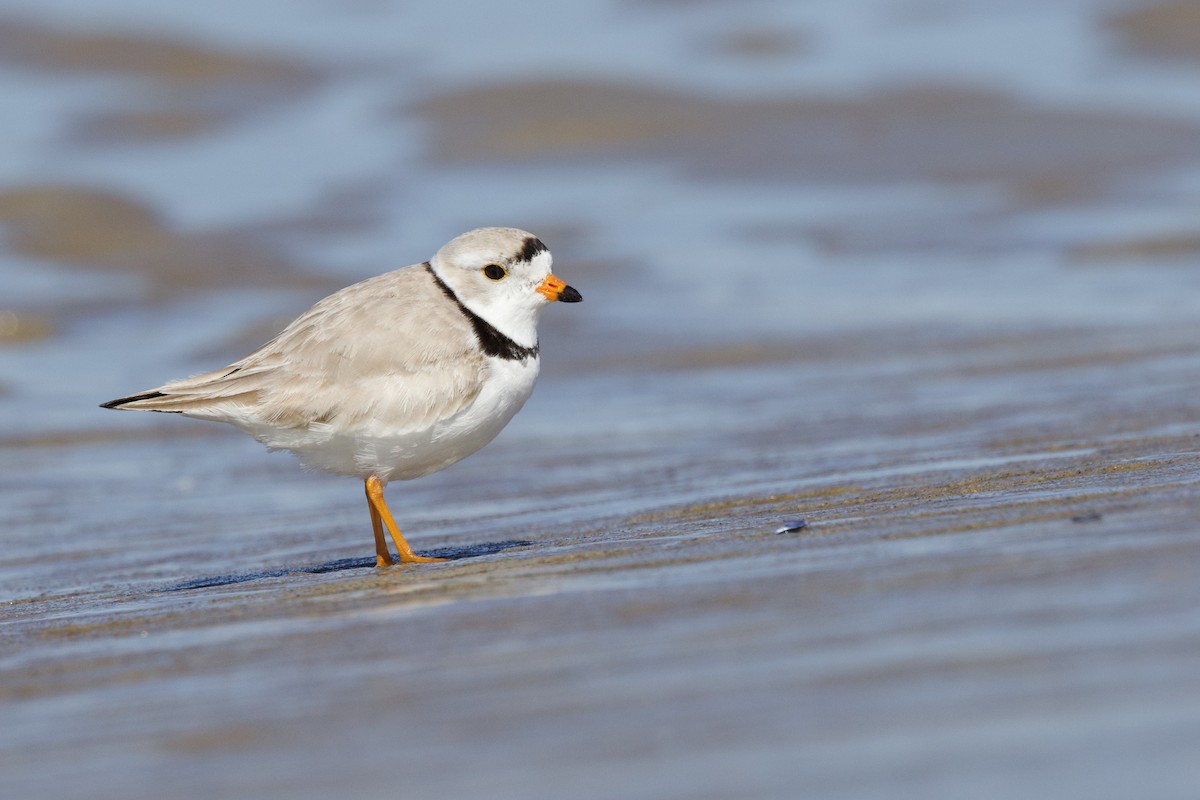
<point x="922" y="274"/>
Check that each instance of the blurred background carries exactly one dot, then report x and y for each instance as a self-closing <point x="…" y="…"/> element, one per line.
<point x="175" y="182"/>
<point x="820" y="244"/>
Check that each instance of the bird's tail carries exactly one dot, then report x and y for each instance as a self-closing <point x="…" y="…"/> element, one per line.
<point x="146" y="401"/>
<point x="207" y="396"/>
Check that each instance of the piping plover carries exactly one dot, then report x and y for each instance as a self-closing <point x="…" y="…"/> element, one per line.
<point x="398" y="376"/>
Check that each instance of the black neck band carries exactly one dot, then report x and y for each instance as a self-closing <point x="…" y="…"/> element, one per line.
<point x="493" y="342"/>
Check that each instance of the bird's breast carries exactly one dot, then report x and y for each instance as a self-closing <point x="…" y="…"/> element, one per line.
<point x="507" y="386"/>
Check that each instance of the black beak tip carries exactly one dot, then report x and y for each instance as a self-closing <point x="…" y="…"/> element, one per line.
<point x="569" y="295"/>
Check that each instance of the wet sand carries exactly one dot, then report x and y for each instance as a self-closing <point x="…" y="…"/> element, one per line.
<point x="1000" y="538"/>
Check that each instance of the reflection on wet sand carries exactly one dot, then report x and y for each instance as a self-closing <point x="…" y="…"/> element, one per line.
<point x="1181" y="249"/>
<point x="1170" y="29"/>
<point x="922" y="134"/>
<point x="16" y="328"/>
<point x="195" y="89"/>
<point x="90" y="228"/>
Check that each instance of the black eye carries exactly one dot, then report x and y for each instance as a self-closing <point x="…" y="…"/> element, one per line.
<point x="494" y="272"/>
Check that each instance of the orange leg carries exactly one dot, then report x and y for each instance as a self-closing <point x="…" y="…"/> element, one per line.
<point x="380" y="516"/>
<point x="382" y="557"/>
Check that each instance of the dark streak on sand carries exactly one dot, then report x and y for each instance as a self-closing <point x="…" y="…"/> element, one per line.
<point x="448" y="553"/>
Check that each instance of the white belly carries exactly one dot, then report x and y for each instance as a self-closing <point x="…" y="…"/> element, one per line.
<point x="374" y="449"/>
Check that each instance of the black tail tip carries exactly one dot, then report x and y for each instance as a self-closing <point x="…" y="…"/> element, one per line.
<point x="120" y="401"/>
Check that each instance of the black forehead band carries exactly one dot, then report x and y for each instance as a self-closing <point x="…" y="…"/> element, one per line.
<point x="530" y="248"/>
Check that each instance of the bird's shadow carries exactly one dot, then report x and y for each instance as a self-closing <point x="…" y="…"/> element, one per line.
<point x="448" y="553"/>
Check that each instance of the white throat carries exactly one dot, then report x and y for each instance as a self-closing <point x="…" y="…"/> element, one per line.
<point x="513" y="321"/>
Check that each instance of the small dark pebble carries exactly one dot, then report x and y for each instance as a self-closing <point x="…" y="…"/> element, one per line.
<point x="1090" y="516"/>
<point x="791" y="526"/>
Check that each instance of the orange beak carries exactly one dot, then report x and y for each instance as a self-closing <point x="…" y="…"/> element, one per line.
<point x="555" y="289"/>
